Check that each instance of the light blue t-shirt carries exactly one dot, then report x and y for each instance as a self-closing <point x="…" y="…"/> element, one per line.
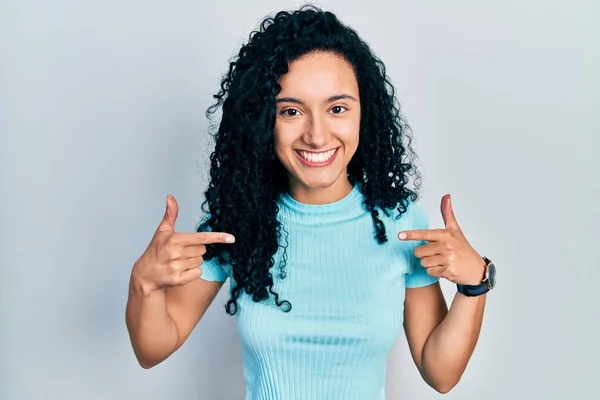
<point x="347" y="294"/>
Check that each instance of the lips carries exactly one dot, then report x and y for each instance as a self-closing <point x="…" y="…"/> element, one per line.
<point x="317" y="158"/>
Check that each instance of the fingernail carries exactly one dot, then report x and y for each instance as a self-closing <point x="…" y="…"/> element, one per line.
<point x="229" y="239"/>
<point x="402" y="235"/>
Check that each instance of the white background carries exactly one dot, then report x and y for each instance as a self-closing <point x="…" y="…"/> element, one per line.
<point x="102" y="114"/>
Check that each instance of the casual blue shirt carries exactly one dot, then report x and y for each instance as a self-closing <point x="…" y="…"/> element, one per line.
<point x="347" y="294"/>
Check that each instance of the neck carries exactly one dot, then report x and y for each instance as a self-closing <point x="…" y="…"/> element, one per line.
<point x="321" y="195"/>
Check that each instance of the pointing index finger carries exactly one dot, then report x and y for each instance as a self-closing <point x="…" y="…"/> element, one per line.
<point x="430" y="235"/>
<point x="194" y="239"/>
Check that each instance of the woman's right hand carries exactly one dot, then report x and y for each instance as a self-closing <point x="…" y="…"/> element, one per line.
<point x="173" y="259"/>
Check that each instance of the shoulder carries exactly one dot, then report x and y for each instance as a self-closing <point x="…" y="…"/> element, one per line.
<point x="411" y="216"/>
<point x="215" y="267"/>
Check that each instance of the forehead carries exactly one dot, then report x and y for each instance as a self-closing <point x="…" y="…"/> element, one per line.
<point x="318" y="75"/>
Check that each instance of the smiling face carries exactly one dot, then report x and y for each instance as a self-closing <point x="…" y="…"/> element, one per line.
<point x="317" y="126"/>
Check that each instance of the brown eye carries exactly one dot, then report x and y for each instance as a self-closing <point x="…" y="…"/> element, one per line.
<point x="290" y="112"/>
<point x="338" y="109"/>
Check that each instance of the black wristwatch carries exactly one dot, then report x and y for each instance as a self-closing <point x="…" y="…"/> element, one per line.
<point x="487" y="282"/>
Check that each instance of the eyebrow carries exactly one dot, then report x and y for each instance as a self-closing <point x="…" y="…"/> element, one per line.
<point x="329" y="100"/>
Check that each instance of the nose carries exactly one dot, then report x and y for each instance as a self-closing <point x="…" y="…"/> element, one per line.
<point x="316" y="133"/>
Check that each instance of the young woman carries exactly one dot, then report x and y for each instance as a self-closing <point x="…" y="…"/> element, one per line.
<point x="311" y="218"/>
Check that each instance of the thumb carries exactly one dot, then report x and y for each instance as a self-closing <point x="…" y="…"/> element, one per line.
<point x="168" y="222"/>
<point x="448" y="214"/>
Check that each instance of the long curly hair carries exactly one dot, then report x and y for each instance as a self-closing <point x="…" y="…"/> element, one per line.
<point x="246" y="177"/>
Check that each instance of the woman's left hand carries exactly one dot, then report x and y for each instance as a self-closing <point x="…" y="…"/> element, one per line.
<point x="448" y="253"/>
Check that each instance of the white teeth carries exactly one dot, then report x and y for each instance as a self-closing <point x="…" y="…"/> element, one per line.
<point x="317" y="157"/>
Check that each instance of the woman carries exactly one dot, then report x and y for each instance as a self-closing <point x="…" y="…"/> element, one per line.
<point x="311" y="217"/>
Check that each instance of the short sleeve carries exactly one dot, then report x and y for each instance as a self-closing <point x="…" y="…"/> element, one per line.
<point x="417" y="276"/>
<point x="211" y="271"/>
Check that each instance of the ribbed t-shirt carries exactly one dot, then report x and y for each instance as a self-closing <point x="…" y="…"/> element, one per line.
<point x="347" y="295"/>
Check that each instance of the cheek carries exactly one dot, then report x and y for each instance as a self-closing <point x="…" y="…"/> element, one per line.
<point x="349" y="132"/>
<point x="284" y="136"/>
<point x="281" y="143"/>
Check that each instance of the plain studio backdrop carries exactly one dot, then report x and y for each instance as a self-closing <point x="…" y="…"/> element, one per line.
<point x="102" y="114"/>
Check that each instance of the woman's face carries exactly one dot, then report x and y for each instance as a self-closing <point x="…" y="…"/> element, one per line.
<point x="317" y="126"/>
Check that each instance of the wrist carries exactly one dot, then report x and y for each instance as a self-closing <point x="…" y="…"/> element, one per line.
<point x="487" y="282"/>
<point x="139" y="286"/>
<point x="479" y="275"/>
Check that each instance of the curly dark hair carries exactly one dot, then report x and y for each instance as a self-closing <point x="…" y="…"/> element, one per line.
<point x="246" y="177"/>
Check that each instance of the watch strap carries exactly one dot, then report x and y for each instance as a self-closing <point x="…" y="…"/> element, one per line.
<point x="473" y="290"/>
<point x="481" y="288"/>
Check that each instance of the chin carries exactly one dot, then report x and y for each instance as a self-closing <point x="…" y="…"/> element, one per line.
<point x="318" y="185"/>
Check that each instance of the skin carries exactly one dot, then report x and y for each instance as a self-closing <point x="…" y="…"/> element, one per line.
<point x="442" y="341"/>
<point x="318" y="109"/>
<point x="166" y="298"/>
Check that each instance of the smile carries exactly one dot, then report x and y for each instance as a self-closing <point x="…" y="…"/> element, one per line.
<point x="320" y="158"/>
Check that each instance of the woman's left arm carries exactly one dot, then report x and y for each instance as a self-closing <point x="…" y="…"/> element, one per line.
<point x="442" y="341"/>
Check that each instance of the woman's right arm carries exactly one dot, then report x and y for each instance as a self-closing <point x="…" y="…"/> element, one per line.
<point x="160" y="321"/>
<point x="166" y="297"/>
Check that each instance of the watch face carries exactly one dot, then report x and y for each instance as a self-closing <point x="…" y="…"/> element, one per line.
<point x="492" y="275"/>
